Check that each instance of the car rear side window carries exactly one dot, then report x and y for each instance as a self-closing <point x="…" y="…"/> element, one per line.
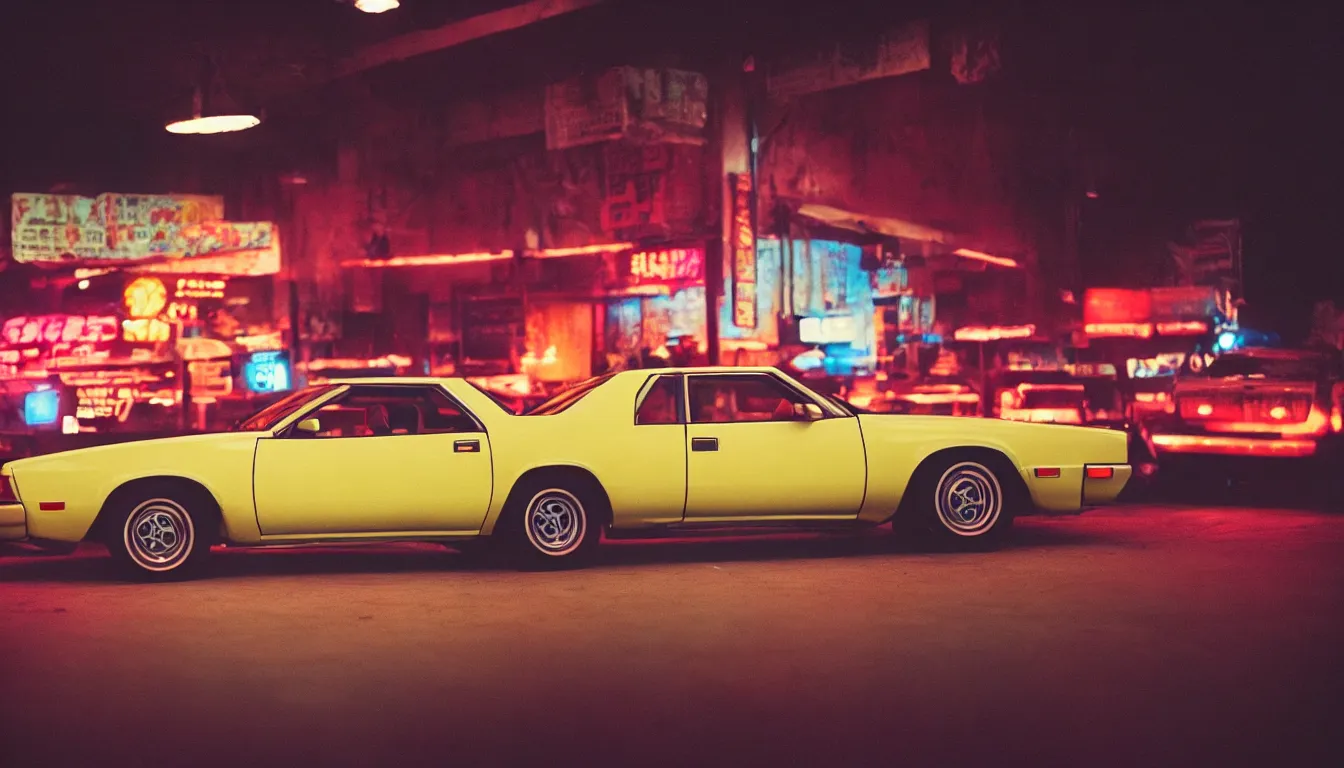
<point x="661" y="403"/>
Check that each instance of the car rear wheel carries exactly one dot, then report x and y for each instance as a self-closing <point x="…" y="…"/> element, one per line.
<point x="161" y="536"/>
<point x="554" y="524"/>
<point x="966" y="501"/>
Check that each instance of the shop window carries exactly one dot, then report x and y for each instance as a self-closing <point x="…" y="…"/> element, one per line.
<point x="717" y="399"/>
<point x="661" y="403"/>
<point x="368" y="411"/>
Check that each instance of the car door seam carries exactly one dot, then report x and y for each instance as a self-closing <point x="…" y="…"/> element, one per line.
<point x="863" y="444"/>
<point x="256" y="512"/>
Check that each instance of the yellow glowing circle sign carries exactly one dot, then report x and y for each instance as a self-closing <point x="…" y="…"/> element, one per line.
<point x="145" y="297"/>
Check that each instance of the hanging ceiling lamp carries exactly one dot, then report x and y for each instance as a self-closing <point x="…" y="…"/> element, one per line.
<point x="213" y="110"/>
<point x="377" y="6"/>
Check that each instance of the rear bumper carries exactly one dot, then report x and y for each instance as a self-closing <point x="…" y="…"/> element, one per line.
<point x="1076" y="488"/>
<point x="13" y="522"/>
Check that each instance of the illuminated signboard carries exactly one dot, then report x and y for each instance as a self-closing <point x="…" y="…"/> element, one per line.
<point x="267" y="372"/>
<point x="104" y="402"/>
<point x="670" y="265"/>
<point x="147" y="330"/>
<point x="743" y="243"/>
<point x="41" y="408"/>
<point x="145" y="297"/>
<point x="171" y="232"/>
<point x="199" y="288"/>
<point x="48" y="331"/>
<point x="211" y="378"/>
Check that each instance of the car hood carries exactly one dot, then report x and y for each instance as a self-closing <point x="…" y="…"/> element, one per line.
<point x="137" y="451"/>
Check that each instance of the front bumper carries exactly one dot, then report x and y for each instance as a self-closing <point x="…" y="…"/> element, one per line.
<point x="13" y="522"/>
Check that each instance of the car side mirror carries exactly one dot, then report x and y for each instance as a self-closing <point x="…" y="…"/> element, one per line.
<point x="807" y="412"/>
<point x="308" y="426"/>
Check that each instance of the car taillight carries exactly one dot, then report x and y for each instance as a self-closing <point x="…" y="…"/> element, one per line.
<point x="7" y="492"/>
<point x="1100" y="473"/>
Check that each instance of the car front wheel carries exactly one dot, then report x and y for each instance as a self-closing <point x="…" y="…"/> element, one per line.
<point x="160" y="536"/>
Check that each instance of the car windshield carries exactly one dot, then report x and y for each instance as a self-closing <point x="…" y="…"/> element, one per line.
<point x="267" y="418"/>
<point x="568" y="397"/>
<point x="1306" y="367"/>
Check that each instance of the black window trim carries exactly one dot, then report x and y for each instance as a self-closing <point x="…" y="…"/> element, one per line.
<point x="287" y="431"/>
<point x="679" y="380"/>
<point x="806" y="396"/>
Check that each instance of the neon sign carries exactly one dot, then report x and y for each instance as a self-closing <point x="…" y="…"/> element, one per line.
<point x="1130" y="330"/>
<point x="50" y="330"/>
<point x="667" y="265"/>
<point x="199" y="288"/>
<point x="145" y="297"/>
<point x="147" y="330"/>
<point x="994" y="333"/>
<point x="104" y="402"/>
<point x="744" y="254"/>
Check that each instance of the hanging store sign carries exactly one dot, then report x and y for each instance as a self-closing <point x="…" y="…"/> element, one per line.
<point x="586" y="110"/>
<point x="743" y="241"/>
<point x="666" y="266"/>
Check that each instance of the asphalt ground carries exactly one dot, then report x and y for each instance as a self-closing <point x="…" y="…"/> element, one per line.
<point x="1138" y="635"/>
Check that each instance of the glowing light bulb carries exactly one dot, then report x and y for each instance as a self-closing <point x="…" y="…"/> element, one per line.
<point x="377" y="6"/>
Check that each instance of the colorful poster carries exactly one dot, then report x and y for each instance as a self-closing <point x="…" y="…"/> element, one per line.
<point x="130" y="228"/>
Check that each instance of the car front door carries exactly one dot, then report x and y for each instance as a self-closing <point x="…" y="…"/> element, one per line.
<point x="384" y="459"/>
<point x="750" y="457"/>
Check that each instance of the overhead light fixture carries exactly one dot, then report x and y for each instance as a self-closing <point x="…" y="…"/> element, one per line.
<point x="212" y="110"/>
<point x="377" y="6"/>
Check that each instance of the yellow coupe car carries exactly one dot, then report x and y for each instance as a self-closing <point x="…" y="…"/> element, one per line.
<point x="630" y="453"/>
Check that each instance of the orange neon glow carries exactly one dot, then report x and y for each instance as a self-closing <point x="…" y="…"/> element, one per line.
<point x="1135" y="330"/>
<point x="938" y="398"/>
<point x="149" y="330"/>
<point x="435" y="260"/>
<point x="1336" y="421"/>
<point x="1234" y="446"/>
<point x="994" y="333"/>
<point x="1002" y="261"/>
<point x="1184" y="327"/>
<point x="1316" y="424"/>
<point x="1204" y="409"/>
<point x="581" y="250"/>
<point x="1152" y="397"/>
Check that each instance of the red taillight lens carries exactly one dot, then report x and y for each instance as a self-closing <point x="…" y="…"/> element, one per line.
<point x="1047" y="471"/>
<point x="1100" y="473"/>
<point x="7" y="490"/>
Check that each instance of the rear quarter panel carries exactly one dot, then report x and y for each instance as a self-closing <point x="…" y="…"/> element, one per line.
<point x="83" y="479"/>
<point x="896" y="445"/>
<point x="641" y="468"/>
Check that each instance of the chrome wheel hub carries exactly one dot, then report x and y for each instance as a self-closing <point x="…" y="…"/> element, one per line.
<point x="969" y="499"/>
<point x="555" y="522"/>
<point x="159" y="534"/>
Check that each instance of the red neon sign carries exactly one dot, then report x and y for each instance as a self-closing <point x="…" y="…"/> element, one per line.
<point x="667" y="265"/>
<point x="49" y="330"/>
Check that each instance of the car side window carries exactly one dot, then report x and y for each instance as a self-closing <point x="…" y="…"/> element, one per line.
<point x="376" y="411"/>
<point x="720" y="398"/>
<point x="661" y="403"/>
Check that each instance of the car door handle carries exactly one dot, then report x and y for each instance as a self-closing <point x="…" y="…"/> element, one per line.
<point x="704" y="444"/>
<point x="467" y="446"/>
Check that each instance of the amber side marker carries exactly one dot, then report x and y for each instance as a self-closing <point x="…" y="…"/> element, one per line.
<point x="1100" y="473"/>
<point x="1047" y="471"/>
